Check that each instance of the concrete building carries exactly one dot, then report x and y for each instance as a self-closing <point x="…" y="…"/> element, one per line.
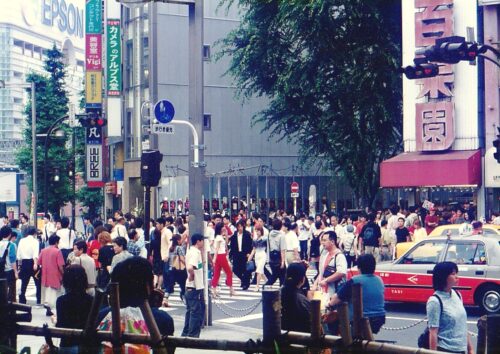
<point x="450" y="121"/>
<point x="244" y="166"/>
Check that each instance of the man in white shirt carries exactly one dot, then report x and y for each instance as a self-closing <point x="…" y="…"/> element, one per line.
<point x="66" y="238"/>
<point x="195" y="306"/>
<point x="48" y="228"/>
<point x="27" y="257"/>
<point x="119" y="229"/>
<point x="83" y="259"/>
<point x="304" y="235"/>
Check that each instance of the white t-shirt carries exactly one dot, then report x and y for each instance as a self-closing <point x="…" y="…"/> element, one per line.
<point x="292" y="241"/>
<point x="304" y="230"/>
<point x="67" y="238"/>
<point x="193" y="258"/>
<point x="220" y="244"/>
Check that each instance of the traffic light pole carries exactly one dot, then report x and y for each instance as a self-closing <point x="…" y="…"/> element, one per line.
<point x="147" y="211"/>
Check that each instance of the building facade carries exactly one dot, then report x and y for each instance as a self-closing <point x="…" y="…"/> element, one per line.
<point x="245" y="168"/>
<point x="449" y="120"/>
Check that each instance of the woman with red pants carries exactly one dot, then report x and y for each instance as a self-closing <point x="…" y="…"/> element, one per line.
<point x="220" y="260"/>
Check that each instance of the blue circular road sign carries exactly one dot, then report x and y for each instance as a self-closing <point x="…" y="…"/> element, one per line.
<point x="164" y="111"/>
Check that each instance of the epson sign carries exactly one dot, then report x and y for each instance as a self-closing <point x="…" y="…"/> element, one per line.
<point x="66" y="16"/>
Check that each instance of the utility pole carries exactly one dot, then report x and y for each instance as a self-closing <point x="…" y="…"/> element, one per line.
<point x="33" y="146"/>
<point x="196" y="104"/>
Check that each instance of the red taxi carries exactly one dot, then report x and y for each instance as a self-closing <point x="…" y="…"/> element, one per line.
<point x="409" y="278"/>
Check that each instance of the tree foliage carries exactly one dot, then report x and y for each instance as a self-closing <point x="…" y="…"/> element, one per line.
<point x="51" y="104"/>
<point x="329" y="70"/>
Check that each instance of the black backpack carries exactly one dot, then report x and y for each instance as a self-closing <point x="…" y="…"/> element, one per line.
<point x="423" y="339"/>
<point x="3" y="261"/>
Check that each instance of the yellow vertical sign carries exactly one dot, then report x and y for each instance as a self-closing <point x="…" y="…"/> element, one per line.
<point x="93" y="89"/>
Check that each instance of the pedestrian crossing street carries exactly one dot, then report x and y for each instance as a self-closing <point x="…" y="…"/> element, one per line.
<point x="241" y="300"/>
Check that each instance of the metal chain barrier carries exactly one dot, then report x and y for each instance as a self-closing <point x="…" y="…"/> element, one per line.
<point x="243" y="311"/>
<point x="402" y="328"/>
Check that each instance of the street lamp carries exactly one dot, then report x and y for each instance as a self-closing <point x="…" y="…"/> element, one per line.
<point x="31" y="86"/>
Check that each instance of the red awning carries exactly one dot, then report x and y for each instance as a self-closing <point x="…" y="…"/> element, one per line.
<point x="413" y="169"/>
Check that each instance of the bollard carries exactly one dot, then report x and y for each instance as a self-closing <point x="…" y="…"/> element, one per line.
<point x="114" y="300"/>
<point x="481" y="335"/>
<point x="4" y="316"/>
<point x="315" y="323"/>
<point x="493" y="334"/>
<point x="357" y="311"/>
<point x="344" y="325"/>
<point x="154" y="332"/>
<point x="90" y="344"/>
<point x="271" y="315"/>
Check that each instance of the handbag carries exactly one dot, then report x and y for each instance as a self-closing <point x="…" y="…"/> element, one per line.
<point x="250" y="266"/>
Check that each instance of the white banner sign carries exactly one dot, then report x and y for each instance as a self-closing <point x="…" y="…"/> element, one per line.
<point x="163" y="129"/>
<point x="94" y="163"/>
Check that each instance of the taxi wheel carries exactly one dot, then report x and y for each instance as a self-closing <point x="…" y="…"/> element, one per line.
<point x="489" y="299"/>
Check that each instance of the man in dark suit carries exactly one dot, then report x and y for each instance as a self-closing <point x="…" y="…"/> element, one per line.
<point x="240" y="248"/>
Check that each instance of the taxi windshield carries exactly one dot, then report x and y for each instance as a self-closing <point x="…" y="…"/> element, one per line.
<point x="425" y="253"/>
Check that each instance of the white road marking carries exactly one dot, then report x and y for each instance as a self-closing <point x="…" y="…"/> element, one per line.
<point x="254" y="316"/>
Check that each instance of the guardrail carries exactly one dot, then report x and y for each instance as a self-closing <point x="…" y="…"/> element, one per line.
<point x="274" y="340"/>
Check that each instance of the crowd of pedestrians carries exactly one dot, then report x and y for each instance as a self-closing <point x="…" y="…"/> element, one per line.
<point x="67" y="266"/>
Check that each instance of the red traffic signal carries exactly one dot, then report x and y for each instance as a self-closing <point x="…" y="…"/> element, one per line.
<point x="451" y="50"/>
<point x="421" y="71"/>
<point x="91" y="122"/>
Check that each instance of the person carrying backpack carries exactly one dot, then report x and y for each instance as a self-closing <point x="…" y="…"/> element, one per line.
<point x="446" y="315"/>
<point x="8" y="255"/>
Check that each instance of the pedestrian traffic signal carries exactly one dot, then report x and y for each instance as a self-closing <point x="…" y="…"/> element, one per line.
<point x="421" y="71"/>
<point x="150" y="167"/>
<point x="496" y="144"/>
<point x="451" y="50"/>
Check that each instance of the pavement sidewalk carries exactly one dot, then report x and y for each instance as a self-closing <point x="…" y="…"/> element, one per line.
<point x="218" y="330"/>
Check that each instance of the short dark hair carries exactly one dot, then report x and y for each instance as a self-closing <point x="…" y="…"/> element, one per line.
<point x="277" y="224"/>
<point x="31" y="230"/>
<point x="366" y="264"/>
<point x="169" y="219"/>
<point x="383" y="222"/>
<point x="440" y="274"/>
<point x="195" y="238"/>
<point x="64" y="222"/>
<point x="131" y="234"/>
<point x="401" y="218"/>
<point x="160" y="221"/>
<point x="134" y="275"/>
<point x="287" y="223"/>
<point x="241" y="223"/>
<point x="14" y="223"/>
<point x="332" y="236"/>
<point x="53" y="239"/>
<point x="75" y="279"/>
<point x="46" y="216"/>
<point x="138" y="222"/>
<point x="372" y="216"/>
<point x="5" y="231"/>
<point x="81" y="245"/>
<point x="121" y="242"/>
<point x="218" y="228"/>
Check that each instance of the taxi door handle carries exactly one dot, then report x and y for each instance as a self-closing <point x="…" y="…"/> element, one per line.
<point x="429" y="271"/>
<point x="479" y="272"/>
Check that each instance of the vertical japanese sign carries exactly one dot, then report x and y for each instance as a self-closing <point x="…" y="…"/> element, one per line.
<point x="93" y="91"/>
<point x="434" y="121"/>
<point x="113" y="56"/>
<point x="94" y="157"/>
<point x="93" y="54"/>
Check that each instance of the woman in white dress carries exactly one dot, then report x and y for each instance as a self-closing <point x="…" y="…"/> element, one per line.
<point x="259" y="251"/>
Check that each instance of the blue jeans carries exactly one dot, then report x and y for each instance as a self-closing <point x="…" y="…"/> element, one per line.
<point x="303" y="250"/>
<point x="195" y="309"/>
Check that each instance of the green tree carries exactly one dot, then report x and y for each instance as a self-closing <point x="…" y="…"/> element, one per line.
<point x="51" y="104"/>
<point x="329" y="71"/>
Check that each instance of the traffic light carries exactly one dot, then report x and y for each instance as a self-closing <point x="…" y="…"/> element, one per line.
<point x="93" y="120"/>
<point x="421" y="71"/>
<point x="451" y="50"/>
<point x="496" y="144"/>
<point x="150" y="167"/>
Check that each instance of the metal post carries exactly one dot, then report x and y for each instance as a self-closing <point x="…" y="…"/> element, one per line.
<point x="196" y="173"/>
<point x="147" y="211"/>
<point x="33" y="146"/>
<point x="271" y="315"/>
<point x="316" y="323"/>
<point x="493" y="334"/>
<point x="73" y="180"/>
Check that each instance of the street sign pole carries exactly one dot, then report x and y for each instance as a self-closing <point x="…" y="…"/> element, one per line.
<point x="294" y="189"/>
